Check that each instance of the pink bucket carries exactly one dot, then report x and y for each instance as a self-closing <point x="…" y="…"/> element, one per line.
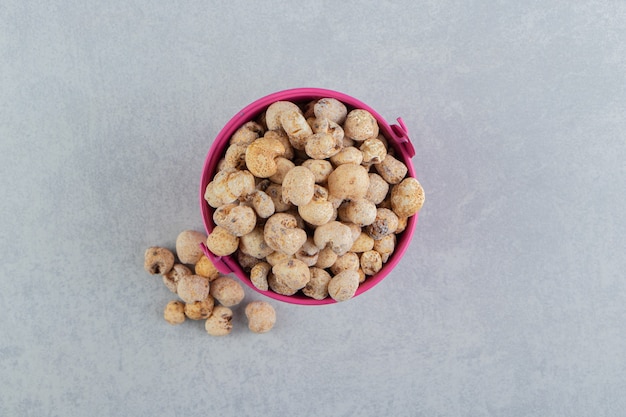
<point x="397" y="137"/>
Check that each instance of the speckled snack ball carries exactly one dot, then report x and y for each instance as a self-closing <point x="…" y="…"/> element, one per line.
<point x="199" y="310"/>
<point x="174" y="312"/>
<point x="158" y="260"/>
<point x="192" y="288"/>
<point x="261" y="316"/>
<point x="188" y="246"/>
<point x="220" y="322"/>
<point x="227" y="291"/>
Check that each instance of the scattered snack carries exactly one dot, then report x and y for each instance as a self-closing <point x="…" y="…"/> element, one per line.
<point x="309" y="198"/>
<point x="205" y="294"/>
<point x="219" y="323"/>
<point x="188" y="246"/>
<point x="199" y="310"/>
<point x="261" y="316"/>
<point x="158" y="260"/>
<point x="227" y="291"/>
<point x="174" y="312"/>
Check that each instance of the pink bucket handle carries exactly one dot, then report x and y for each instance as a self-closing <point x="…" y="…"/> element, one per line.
<point x="400" y="135"/>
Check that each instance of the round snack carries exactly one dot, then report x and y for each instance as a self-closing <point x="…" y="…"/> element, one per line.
<point x="171" y="278"/>
<point x="292" y="273"/>
<point x="360" y="125"/>
<point x="219" y="322"/>
<point x="221" y="242"/>
<point x="205" y="268"/>
<point x="192" y="288"/>
<point x="188" y="246"/>
<point x="174" y="312"/>
<point x="343" y="285"/>
<point x="199" y="310"/>
<point x="259" y="274"/>
<point x="407" y="198"/>
<point x="317" y="287"/>
<point x="227" y="291"/>
<point x="348" y="181"/>
<point x="158" y="260"/>
<point x="261" y="316"/>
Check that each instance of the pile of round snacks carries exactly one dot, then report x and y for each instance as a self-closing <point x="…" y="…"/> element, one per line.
<point x="203" y="293"/>
<point x="309" y="199"/>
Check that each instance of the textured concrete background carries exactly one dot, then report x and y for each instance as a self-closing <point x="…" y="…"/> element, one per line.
<point x="511" y="300"/>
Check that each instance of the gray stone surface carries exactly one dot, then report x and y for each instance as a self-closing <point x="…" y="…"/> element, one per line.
<point x="511" y="300"/>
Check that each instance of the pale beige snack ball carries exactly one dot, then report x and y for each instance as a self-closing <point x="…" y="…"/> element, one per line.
<point x="227" y="291"/>
<point x="363" y="243"/>
<point x="283" y="166"/>
<point x="326" y="258"/>
<point x="360" y="125"/>
<point x="407" y="197"/>
<point x="319" y="210"/>
<point x="261" y="316"/>
<point x="261" y="156"/>
<point x="281" y="233"/>
<point x="282" y="137"/>
<point x="170" y="279"/>
<point x="385" y="224"/>
<point x="275" y="192"/>
<point x="322" y="145"/>
<point x="237" y="219"/>
<point x="200" y="310"/>
<point x="374" y="151"/>
<point x="174" y="312"/>
<point x="296" y="127"/>
<point x="188" y="247"/>
<point x="192" y="288"/>
<point x="274" y="110"/>
<point x="385" y="246"/>
<point x="378" y="188"/>
<point x="158" y="260"/>
<point x="391" y="169"/>
<point x="277" y="257"/>
<point x="308" y="252"/>
<point x="343" y="286"/>
<point x="348" y="182"/>
<point x="246" y="134"/>
<point x="292" y="273"/>
<point x="234" y="158"/>
<point x="334" y="235"/>
<point x="298" y="186"/>
<point x="347" y="155"/>
<point x="254" y="244"/>
<point x="205" y="268"/>
<point x="320" y="168"/>
<point x="279" y="287"/>
<point x="221" y="242"/>
<point x="359" y="211"/>
<point x="246" y="261"/>
<point x="219" y="322"/>
<point x="324" y="125"/>
<point x="346" y="262"/>
<point x="259" y="274"/>
<point x="330" y="108"/>
<point x="402" y="223"/>
<point x="262" y="203"/>
<point x="241" y="183"/>
<point x="317" y="287"/>
<point x="371" y="262"/>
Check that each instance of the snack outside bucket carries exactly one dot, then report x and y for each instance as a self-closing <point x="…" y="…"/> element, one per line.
<point x="397" y="137"/>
